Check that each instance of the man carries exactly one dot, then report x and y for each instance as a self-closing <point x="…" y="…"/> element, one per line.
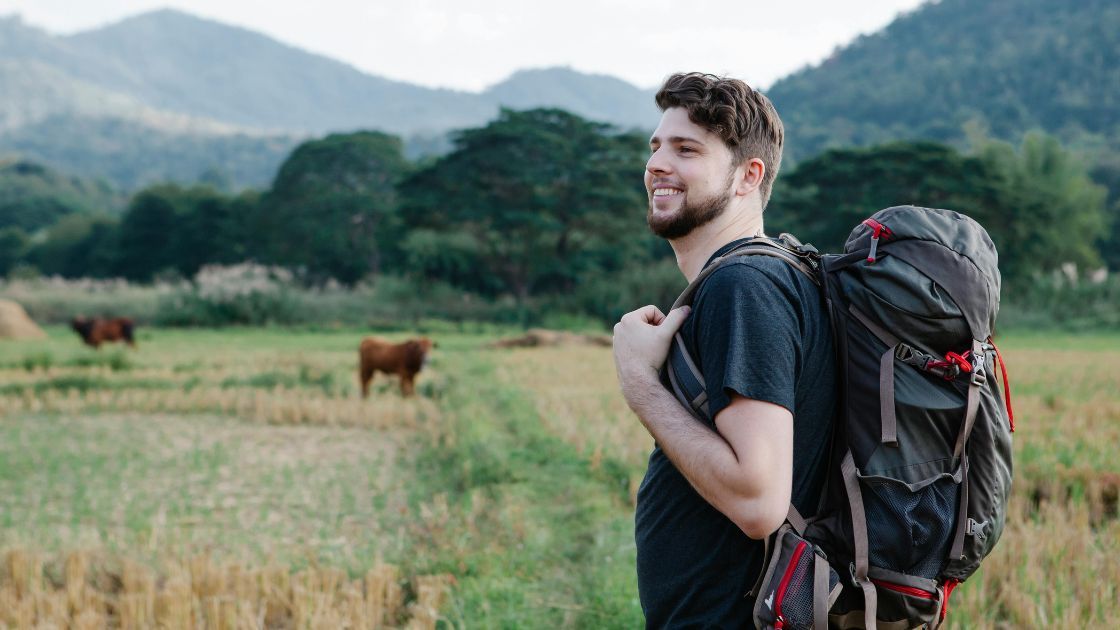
<point x="758" y="330"/>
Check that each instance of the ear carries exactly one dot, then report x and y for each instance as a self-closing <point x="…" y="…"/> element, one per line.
<point x="748" y="177"/>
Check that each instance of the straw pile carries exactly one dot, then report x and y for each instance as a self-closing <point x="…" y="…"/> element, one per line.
<point x="15" y="324"/>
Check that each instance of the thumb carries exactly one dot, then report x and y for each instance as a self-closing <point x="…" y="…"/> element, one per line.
<point x="675" y="318"/>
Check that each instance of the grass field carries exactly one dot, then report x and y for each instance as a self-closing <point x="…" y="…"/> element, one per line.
<point x="234" y="479"/>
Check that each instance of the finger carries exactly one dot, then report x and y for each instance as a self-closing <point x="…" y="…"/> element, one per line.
<point x="652" y="315"/>
<point x="648" y="314"/>
<point x="675" y="318"/>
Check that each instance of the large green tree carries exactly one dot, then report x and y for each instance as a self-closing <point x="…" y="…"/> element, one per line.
<point x="332" y="208"/>
<point x="1052" y="212"/>
<point x="13" y="245"/>
<point x="825" y="197"/>
<point x="148" y="234"/>
<point x="529" y="204"/>
<point x="1036" y="201"/>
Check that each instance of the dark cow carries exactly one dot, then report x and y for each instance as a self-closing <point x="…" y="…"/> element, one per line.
<point x="403" y="359"/>
<point x="95" y="331"/>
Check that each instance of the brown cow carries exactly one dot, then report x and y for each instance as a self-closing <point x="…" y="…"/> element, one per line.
<point x="403" y="359"/>
<point x="95" y="331"/>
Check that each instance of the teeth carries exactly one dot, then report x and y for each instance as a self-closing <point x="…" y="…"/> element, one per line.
<point x="665" y="192"/>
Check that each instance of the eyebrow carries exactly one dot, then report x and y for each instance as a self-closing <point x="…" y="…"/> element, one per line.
<point x="677" y="140"/>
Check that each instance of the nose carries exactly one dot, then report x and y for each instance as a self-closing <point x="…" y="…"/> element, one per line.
<point x="657" y="164"/>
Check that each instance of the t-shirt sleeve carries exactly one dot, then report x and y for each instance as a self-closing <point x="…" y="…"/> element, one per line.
<point x="747" y="334"/>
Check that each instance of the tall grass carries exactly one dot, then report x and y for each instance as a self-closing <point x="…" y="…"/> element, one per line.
<point x="86" y="591"/>
<point x="513" y="472"/>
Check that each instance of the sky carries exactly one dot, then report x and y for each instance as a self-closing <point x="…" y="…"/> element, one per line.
<point x="473" y="44"/>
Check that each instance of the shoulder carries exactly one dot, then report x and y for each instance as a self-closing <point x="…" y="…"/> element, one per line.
<point x="751" y="275"/>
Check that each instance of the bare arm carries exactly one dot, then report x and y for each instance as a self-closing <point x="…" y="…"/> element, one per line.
<point x="746" y="469"/>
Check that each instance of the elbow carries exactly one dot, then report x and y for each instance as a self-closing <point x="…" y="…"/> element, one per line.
<point x="759" y="521"/>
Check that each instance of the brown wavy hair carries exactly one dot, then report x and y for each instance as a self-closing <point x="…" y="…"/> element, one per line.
<point x="743" y="117"/>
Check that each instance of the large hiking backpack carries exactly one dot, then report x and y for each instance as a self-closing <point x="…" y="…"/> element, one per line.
<point x="920" y="468"/>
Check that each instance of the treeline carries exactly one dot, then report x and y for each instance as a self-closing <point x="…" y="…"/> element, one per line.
<point x="1007" y="66"/>
<point x="547" y="210"/>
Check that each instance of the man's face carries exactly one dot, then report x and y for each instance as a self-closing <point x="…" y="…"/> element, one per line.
<point x="688" y="177"/>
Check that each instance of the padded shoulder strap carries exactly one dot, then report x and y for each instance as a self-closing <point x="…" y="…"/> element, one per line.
<point x="803" y="258"/>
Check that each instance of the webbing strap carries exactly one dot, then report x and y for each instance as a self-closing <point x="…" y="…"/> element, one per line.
<point x="887" y="419"/>
<point x="956" y="552"/>
<point x="820" y="592"/>
<point x="977" y="380"/>
<point x="794" y="518"/>
<point x="675" y="382"/>
<point x="875" y="329"/>
<point x="859" y="539"/>
<point x="691" y="391"/>
<point x="765" y="560"/>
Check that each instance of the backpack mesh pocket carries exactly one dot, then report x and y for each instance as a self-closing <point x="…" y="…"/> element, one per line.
<point x="910" y="526"/>
<point x="786" y="597"/>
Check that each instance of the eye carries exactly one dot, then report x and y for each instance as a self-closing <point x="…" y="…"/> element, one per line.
<point x="686" y="149"/>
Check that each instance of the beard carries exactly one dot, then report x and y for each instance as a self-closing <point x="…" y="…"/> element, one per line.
<point x="690" y="216"/>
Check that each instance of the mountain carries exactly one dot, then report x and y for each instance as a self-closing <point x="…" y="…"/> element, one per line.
<point x="164" y="94"/>
<point x="1003" y="66"/>
<point x="595" y="96"/>
<point x="202" y="68"/>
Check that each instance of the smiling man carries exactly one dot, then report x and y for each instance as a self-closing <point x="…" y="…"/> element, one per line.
<point x="716" y="486"/>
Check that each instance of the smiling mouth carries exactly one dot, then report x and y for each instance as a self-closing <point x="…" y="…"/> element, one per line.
<point x="666" y="192"/>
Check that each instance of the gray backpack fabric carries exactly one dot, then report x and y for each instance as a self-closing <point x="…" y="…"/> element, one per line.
<point x="921" y="456"/>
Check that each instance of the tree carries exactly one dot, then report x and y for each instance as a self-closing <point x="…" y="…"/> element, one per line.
<point x="13" y="247"/>
<point x="214" y="227"/>
<point x="825" y="197"/>
<point x="532" y="201"/>
<point x="1037" y="202"/>
<point x="1051" y="212"/>
<point x="147" y="234"/>
<point x="332" y="208"/>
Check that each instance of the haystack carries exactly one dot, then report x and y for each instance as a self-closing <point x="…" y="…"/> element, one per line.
<point x="539" y="337"/>
<point x="15" y="324"/>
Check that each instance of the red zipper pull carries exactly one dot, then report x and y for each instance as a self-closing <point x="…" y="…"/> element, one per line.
<point x="877" y="230"/>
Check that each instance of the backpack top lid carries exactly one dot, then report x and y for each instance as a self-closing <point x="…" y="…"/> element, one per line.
<point x="950" y="248"/>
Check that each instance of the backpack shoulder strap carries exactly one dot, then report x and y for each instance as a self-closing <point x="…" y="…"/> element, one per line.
<point x="802" y="257"/>
<point x="684" y="374"/>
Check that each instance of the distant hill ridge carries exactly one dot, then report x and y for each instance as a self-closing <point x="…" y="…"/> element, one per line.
<point x="167" y="95"/>
<point x="1008" y="66"/>
<point x="203" y="90"/>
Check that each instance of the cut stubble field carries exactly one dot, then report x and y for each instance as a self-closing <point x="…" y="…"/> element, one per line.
<point x="235" y="479"/>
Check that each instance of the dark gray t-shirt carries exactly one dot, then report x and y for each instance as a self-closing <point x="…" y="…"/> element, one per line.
<point x="759" y="329"/>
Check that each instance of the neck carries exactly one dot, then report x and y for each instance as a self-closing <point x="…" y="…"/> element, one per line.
<point x="693" y="250"/>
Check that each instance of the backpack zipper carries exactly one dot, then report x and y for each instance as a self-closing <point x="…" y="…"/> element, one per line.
<point x="906" y="590"/>
<point x="877" y="230"/>
<point x="780" y="622"/>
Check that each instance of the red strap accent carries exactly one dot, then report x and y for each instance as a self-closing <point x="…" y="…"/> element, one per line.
<point x="877" y="230"/>
<point x="949" y="585"/>
<point x="1006" y="386"/>
<point x="952" y="358"/>
<point x="960" y="360"/>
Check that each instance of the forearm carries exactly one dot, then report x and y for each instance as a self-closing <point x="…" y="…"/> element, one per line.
<point x="724" y="478"/>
